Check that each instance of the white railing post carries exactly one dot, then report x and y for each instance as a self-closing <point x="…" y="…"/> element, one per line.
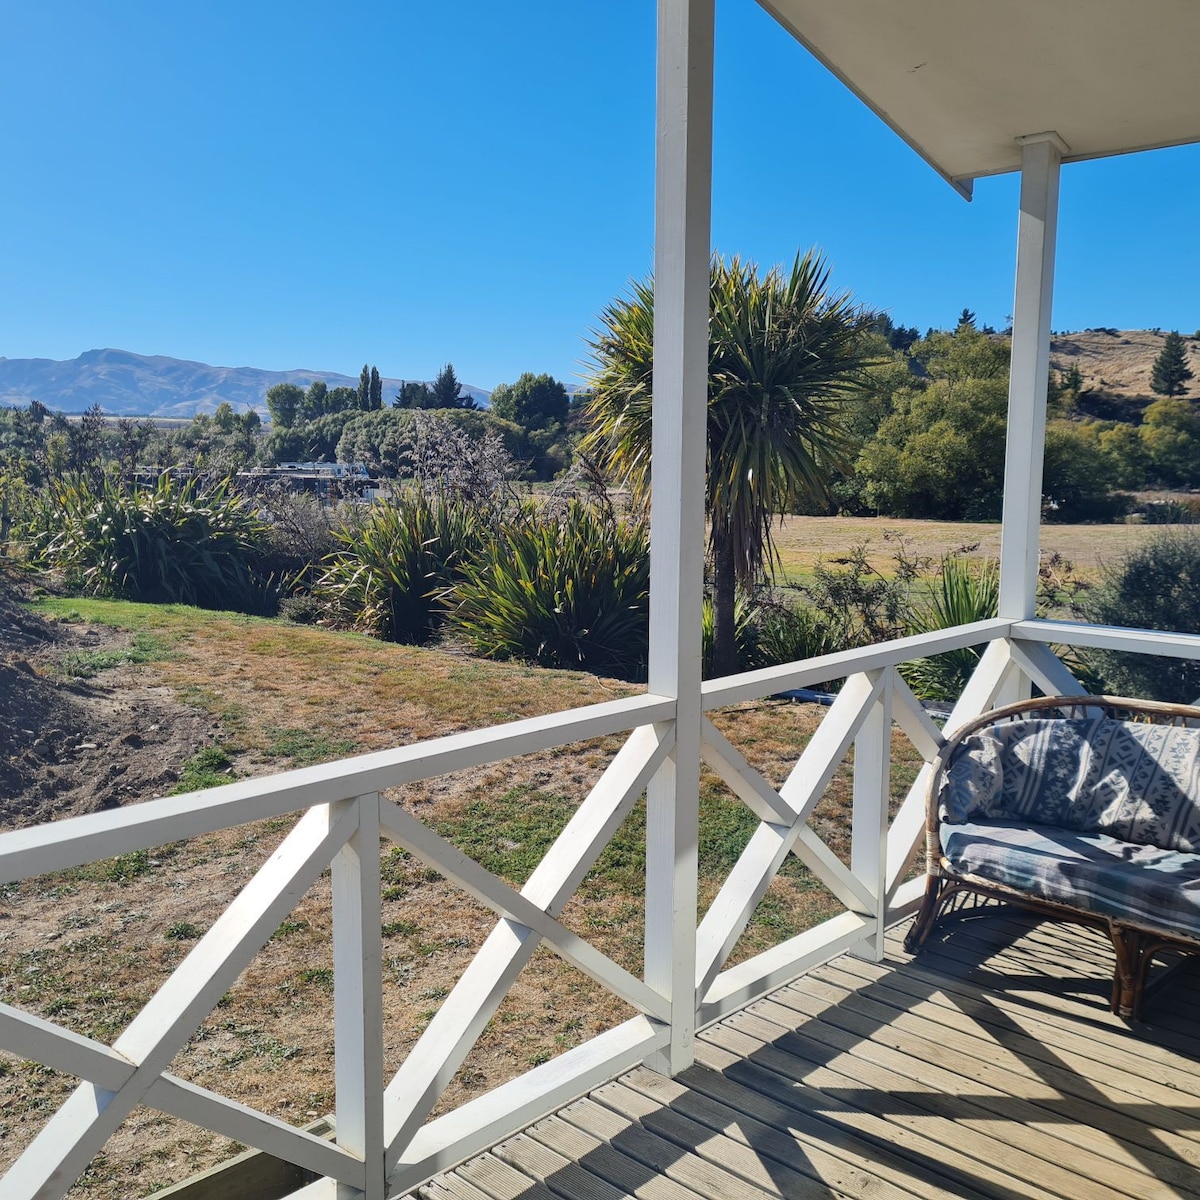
<point x="1041" y="159"/>
<point x="358" y="1001"/>
<point x="683" y="175"/>
<point x="872" y="792"/>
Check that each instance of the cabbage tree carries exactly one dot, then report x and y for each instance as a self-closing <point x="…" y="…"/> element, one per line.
<point x="785" y="353"/>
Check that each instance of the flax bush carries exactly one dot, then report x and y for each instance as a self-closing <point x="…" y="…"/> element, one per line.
<point x="568" y="589"/>
<point x="961" y="594"/>
<point x="395" y="564"/>
<point x="745" y="629"/>
<point x="173" y="543"/>
<point x="786" y="632"/>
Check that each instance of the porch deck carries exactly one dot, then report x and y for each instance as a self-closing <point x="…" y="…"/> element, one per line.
<point x="988" y="1067"/>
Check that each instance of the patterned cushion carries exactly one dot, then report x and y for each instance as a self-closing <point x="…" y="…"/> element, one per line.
<point x="1134" y="781"/>
<point x="1158" y="889"/>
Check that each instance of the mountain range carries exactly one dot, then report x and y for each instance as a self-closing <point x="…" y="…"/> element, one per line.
<point x="1115" y="366"/>
<point x="152" y="385"/>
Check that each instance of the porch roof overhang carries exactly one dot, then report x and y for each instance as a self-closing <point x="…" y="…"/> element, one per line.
<point x="961" y="80"/>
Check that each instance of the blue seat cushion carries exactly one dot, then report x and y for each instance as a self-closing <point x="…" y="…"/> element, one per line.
<point x="1145" y="885"/>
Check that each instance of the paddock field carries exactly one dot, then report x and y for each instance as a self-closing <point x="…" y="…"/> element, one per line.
<point x="802" y="541"/>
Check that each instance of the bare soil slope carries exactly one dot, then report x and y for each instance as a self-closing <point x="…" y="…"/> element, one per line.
<point x="69" y="745"/>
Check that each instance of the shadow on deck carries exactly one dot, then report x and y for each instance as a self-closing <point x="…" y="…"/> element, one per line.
<point x="989" y="1066"/>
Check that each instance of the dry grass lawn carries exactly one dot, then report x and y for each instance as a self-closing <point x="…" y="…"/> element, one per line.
<point x="88" y="947"/>
<point x="803" y="541"/>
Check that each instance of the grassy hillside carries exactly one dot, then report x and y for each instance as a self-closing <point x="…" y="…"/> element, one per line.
<point x="1116" y="365"/>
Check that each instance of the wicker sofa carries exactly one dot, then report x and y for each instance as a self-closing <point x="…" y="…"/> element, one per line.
<point x="1084" y="808"/>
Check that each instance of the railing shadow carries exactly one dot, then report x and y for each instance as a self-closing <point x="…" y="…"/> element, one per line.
<point x="970" y="1070"/>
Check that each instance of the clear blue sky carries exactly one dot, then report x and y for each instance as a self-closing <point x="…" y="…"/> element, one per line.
<point x="286" y="185"/>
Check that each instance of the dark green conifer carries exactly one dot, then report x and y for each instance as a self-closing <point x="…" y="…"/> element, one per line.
<point x="1170" y="372"/>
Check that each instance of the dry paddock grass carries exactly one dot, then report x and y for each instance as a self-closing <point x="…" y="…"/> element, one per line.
<point x="88" y="947"/>
<point x="803" y="541"/>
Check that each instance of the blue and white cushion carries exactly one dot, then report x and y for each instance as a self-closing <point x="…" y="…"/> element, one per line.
<point x="1136" y="782"/>
<point x="1155" y="888"/>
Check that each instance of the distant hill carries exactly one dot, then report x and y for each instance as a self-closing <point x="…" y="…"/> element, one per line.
<point x="1115" y="365"/>
<point x="128" y="384"/>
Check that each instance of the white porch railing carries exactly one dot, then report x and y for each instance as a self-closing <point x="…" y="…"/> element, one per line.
<point x="385" y="1143"/>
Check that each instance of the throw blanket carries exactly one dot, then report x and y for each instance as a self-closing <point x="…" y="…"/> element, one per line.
<point x="1137" y="783"/>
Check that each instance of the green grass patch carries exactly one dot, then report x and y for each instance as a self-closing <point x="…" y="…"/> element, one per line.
<point x="232" y="715"/>
<point x="510" y="834"/>
<point x="146" y="647"/>
<point x="211" y="767"/>
<point x="401" y="928"/>
<point x="134" y="615"/>
<point x="321" y="977"/>
<point x="125" y="866"/>
<point x="304" y="747"/>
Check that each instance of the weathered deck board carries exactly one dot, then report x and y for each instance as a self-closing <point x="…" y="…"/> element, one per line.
<point x="989" y="1066"/>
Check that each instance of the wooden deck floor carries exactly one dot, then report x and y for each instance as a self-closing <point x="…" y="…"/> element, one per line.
<point x="988" y="1067"/>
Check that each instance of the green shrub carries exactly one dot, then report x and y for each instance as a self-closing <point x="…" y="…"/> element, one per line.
<point x="172" y="543"/>
<point x="569" y="590"/>
<point x="301" y="532"/>
<point x="301" y="609"/>
<point x="961" y="594"/>
<point x="395" y="564"/>
<point x="857" y="602"/>
<point x="1155" y="586"/>
<point x="786" y="633"/>
<point x="769" y="630"/>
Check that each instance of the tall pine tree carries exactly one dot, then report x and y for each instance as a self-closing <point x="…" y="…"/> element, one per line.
<point x="447" y="391"/>
<point x="375" y="390"/>
<point x="364" y="388"/>
<point x="1170" y="372"/>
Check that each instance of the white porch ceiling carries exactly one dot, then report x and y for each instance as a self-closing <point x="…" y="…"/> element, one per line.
<point x="960" y="80"/>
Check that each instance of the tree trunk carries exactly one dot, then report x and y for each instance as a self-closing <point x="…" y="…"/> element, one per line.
<point x="725" y="661"/>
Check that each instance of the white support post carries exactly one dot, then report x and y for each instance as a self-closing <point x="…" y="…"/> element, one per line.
<point x="872" y="791"/>
<point x="358" y="1001"/>
<point x="683" y="176"/>
<point x="1041" y="158"/>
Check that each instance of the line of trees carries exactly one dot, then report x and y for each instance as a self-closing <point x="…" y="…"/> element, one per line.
<point x="816" y="405"/>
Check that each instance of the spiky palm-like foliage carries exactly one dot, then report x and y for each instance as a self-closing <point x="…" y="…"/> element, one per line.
<point x="569" y="590"/>
<point x="785" y="632"/>
<point x="395" y="564"/>
<point x="784" y="352"/>
<point x="961" y="594"/>
<point x="745" y="624"/>
<point x="174" y="542"/>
